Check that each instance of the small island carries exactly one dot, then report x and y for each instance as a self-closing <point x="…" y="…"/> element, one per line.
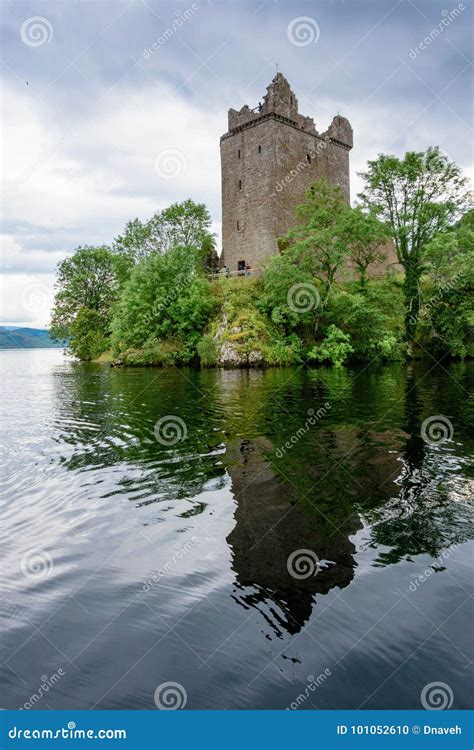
<point x="303" y="277"/>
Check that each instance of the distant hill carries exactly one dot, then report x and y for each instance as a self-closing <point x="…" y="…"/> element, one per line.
<point x="25" y="338"/>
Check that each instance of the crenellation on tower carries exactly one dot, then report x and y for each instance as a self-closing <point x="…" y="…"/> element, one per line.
<point x="270" y="156"/>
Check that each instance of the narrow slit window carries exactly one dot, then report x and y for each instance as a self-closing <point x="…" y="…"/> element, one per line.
<point x="238" y="226"/>
<point x="308" y="158"/>
<point x="238" y="154"/>
<point x="259" y="149"/>
<point x="240" y="184"/>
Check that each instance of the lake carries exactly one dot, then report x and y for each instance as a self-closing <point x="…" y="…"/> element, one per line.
<point x="212" y="539"/>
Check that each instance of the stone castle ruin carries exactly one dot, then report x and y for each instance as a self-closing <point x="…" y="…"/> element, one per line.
<point x="269" y="158"/>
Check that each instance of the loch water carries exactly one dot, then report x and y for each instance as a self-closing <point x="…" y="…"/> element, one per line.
<point x="287" y="538"/>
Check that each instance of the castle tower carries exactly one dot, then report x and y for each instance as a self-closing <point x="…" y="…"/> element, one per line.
<point x="269" y="157"/>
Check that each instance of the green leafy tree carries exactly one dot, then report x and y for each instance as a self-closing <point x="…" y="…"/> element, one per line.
<point x="165" y="298"/>
<point x="185" y="224"/>
<point x="336" y="347"/>
<point x="446" y="316"/>
<point x="86" y="286"/>
<point x="419" y="196"/>
<point x="368" y="237"/>
<point x="320" y="244"/>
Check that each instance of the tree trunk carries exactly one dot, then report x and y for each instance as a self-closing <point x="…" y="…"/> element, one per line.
<point x="411" y="289"/>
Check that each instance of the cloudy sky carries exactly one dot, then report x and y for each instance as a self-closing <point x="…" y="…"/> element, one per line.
<point x="113" y="108"/>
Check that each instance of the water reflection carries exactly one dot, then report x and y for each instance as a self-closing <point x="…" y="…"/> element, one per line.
<point x="270" y="525"/>
<point x="89" y="483"/>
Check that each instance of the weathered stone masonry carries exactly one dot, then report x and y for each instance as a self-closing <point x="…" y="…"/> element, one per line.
<point x="269" y="158"/>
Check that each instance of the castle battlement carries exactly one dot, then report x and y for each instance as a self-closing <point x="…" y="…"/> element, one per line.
<point x="270" y="156"/>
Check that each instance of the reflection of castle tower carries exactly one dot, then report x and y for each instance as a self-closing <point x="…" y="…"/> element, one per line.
<point x="270" y="526"/>
<point x="269" y="158"/>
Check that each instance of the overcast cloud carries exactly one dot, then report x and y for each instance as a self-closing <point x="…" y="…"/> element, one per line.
<point x="113" y="109"/>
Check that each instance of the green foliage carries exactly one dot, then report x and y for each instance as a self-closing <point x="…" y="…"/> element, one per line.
<point x="164" y="298"/>
<point x="207" y="351"/>
<point x="372" y="317"/>
<point x="335" y="347"/>
<point x="86" y="289"/>
<point x="281" y="277"/>
<point x="419" y="196"/>
<point x="87" y="339"/>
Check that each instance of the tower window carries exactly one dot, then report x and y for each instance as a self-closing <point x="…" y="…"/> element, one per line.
<point x="308" y="158"/>
<point x="238" y="226"/>
<point x="240" y="184"/>
<point x="291" y="100"/>
<point x="259" y="149"/>
<point x="238" y="154"/>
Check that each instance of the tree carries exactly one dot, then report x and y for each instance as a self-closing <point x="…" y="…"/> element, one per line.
<point x="320" y="244"/>
<point x="165" y="298"/>
<point x="86" y="288"/>
<point x="446" y="316"/>
<point x="185" y="224"/>
<point x="368" y="238"/>
<point x="331" y="232"/>
<point x="419" y="196"/>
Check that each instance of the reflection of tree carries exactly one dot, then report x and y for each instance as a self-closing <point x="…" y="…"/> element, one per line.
<point x="420" y="518"/>
<point x="105" y="418"/>
<point x="270" y="526"/>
